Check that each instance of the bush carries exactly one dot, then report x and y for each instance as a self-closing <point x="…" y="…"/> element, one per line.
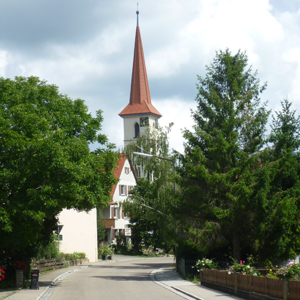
<point x="50" y="250"/>
<point x="243" y="268"/>
<point x="73" y="256"/>
<point x="290" y="271"/>
<point x="205" y="263"/>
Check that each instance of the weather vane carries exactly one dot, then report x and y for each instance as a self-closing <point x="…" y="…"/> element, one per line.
<point x="137" y="14"/>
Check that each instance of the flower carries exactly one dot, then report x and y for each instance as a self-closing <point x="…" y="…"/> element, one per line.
<point x="290" y="271"/>
<point x="205" y="263"/>
<point x="242" y="268"/>
<point x="2" y="272"/>
<point x="20" y="266"/>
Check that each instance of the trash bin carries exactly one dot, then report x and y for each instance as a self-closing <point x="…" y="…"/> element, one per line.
<point x="34" y="280"/>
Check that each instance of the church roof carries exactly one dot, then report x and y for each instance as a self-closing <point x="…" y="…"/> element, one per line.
<point x="140" y="99"/>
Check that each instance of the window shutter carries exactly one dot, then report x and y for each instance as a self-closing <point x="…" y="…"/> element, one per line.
<point x="120" y="189"/>
<point x="112" y="212"/>
<point x="126" y="190"/>
<point x="119" y="212"/>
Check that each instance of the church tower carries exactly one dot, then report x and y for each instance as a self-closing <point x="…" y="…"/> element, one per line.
<point x="139" y="114"/>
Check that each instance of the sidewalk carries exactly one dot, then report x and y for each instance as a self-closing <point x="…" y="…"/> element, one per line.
<point x="166" y="277"/>
<point x="170" y="279"/>
<point x="49" y="279"/>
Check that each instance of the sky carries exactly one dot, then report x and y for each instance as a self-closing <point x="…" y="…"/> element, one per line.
<point x="86" y="49"/>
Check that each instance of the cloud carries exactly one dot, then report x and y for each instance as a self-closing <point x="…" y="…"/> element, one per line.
<point x="86" y="48"/>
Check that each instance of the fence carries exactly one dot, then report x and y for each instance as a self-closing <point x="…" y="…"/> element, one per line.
<point x="48" y="264"/>
<point x="277" y="288"/>
<point x="186" y="266"/>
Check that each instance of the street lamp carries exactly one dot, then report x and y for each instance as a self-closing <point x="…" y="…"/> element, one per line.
<point x="172" y="161"/>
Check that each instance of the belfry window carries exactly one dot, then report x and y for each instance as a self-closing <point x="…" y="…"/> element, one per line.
<point x="136" y="130"/>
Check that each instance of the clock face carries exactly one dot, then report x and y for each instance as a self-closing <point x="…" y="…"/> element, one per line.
<point x="144" y="121"/>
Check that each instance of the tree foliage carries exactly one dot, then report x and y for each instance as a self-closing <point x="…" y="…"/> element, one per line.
<point x="221" y="156"/>
<point x="151" y="203"/>
<point x="46" y="164"/>
<point x="277" y="190"/>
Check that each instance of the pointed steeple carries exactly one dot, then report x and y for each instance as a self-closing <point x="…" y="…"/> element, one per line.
<point x="140" y="99"/>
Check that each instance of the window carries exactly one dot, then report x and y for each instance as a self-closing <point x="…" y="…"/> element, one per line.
<point x="116" y="212"/>
<point x="127" y="170"/>
<point x="123" y="190"/>
<point x="136" y="130"/>
<point x="130" y="187"/>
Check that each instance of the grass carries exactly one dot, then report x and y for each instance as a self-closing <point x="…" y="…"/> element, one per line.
<point x="192" y="278"/>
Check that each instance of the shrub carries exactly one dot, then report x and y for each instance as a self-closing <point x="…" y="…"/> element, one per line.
<point x="243" y="268"/>
<point x="205" y="263"/>
<point x="290" y="271"/>
<point x="73" y="256"/>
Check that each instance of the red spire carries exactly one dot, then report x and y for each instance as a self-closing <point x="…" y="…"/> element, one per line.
<point x="140" y="99"/>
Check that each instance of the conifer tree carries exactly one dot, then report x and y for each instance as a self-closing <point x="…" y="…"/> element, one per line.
<point x="277" y="191"/>
<point x="216" y="174"/>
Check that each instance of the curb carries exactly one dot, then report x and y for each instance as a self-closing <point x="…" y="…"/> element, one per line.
<point x="187" y="293"/>
<point x="154" y="276"/>
<point x="56" y="280"/>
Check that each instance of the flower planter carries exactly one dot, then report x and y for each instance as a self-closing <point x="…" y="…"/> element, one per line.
<point x="104" y="257"/>
<point x="19" y="278"/>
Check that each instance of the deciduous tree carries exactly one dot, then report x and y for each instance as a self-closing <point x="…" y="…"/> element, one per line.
<point x="46" y="163"/>
<point x="151" y="203"/>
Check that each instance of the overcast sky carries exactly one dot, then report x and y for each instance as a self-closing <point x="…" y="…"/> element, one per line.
<point x="86" y="48"/>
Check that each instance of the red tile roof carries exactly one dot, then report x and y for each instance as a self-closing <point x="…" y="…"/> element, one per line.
<point x="140" y="99"/>
<point x="118" y="170"/>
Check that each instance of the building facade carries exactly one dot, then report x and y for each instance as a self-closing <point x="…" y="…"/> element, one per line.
<point x="116" y="222"/>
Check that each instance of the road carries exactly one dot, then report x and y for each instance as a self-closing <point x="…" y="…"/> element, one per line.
<point x="119" y="280"/>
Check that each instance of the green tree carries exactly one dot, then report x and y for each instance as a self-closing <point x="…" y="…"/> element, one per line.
<point x="46" y="164"/>
<point x="151" y="203"/>
<point x="220" y="159"/>
<point x="277" y="190"/>
<point x="100" y="227"/>
<point x="285" y="129"/>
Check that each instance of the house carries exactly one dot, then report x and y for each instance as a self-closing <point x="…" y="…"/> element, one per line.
<point x="116" y="222"/>
<point x="78" y="232"/>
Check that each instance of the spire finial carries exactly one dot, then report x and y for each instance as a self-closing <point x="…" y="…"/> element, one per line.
<point x="137" y="14"/>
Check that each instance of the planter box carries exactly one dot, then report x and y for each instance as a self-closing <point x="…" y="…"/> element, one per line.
<point x="251" y="287"/>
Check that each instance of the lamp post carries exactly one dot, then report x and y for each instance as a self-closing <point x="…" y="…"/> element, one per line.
<point x="172" y="161"/>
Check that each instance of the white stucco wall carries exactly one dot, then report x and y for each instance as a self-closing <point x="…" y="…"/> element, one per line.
<point x="79" y="233"/>
<point x="128" y="125"/>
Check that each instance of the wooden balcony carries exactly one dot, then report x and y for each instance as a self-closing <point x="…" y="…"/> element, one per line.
<point x="109" y="223"/>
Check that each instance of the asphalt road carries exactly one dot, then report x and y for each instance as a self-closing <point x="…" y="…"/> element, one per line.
<point x="120" y="280"/>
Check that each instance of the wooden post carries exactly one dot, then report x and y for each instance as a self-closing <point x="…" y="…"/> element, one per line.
<point x="235" y="283"/>
<point x="19" y="278"/>
<point x="285" y="289"/>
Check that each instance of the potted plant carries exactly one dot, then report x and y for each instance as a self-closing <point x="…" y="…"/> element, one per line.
<point x="105" y="250"/>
